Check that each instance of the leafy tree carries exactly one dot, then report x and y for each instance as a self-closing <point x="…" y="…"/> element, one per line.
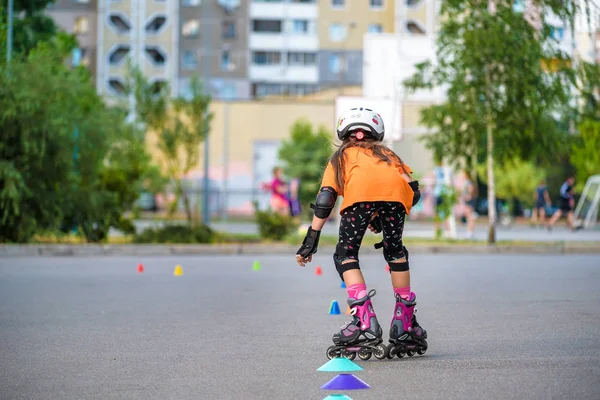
<point x="31" y="25"/>
<point x="585" y="155"/>
<point x="68" y="160"/>
<point x="304" y="156"/>
<point x="500" y="94"/>
<point x="515" y="179"/>
<point x="181" y="125"/>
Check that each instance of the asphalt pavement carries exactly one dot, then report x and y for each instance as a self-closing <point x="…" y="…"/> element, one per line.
<point x="499" y="326"/>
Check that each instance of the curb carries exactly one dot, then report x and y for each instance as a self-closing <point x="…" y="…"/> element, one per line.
<point x="64" y="250"/>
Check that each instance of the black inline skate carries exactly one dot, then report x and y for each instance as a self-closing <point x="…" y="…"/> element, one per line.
<point x="406" y="335"/>
<point x="362" y="335"/>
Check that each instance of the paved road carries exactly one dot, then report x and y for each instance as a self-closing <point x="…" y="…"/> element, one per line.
<point x="500" y="327"/>
<point x="426" y="230"/>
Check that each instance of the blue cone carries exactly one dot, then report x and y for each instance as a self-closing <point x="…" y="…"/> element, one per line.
<point x="334" y="308"/>
<point x="345" y="382"/>
<point x="343" y="285"/>
<point x="340" y="364"/>
<point x="337" y="397"/>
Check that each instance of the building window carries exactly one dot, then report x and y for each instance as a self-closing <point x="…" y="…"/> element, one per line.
<point x="155" y="24"/>
<point x="300" y="26"/>
<point x="266" y="25"/>
<point x="82" y="1"/>
<point x="376" y="3"/>
<point x="266" y="57"/>
<point x="191" y="3"/>
<point x="375" y="28"/>
<point x="557" y="33"/>
<point x="302" y="58"/>
<point x="338" y="3"/>
<point x="414" y="28"/>
<point x="226" y="60"/>
<point x="228" y="29"/>
<point x="303" y="1"/>
<point x="334" y="63"/>
<point x="79" y="57"/>
<point x="119" y="23"/>
<point x="117" y="86"/>
<point x="189" y="60"/>
<point x="337" y="32"/>
<point x="82" y="26"/>
<point x="156" y="55"/>
<point x="118" y="55"/>
<point x="191" y="28"/>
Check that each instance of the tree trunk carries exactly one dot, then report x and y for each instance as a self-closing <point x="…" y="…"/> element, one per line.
<point x="490" y="165"/>
<point x="186" y="201"/>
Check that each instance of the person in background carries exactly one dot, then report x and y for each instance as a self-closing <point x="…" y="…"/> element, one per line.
<point x="279" y="199"/>
<point x="566" y="205"/>
<point x="470" y="199"/>
<point x="438" y="191"/>
<point x="295" y="208"/>
<point x="542" y="200"/>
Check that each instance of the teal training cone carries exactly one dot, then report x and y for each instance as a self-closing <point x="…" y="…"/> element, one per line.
<point x="334" y="308"/>
<point x="340" y="364"/>
<point x="343" y="285"/>
<point x="337" y="397"/>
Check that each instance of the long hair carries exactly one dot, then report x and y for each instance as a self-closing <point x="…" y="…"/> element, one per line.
<point x="338" y="159"/>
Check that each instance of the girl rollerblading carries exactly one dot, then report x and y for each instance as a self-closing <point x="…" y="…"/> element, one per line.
<point x="378" y="193"/>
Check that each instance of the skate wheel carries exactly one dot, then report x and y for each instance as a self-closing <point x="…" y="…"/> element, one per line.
<point x="364" y="354"/>
<point x="390" y="351"/>
<point x="410" y="353"/>
<point x="349" y="355"/>
<point x="332" y="353"/>
<point x="422" y="349"/>
<point x="380" y="352"/>
<point x="400" y="354"/>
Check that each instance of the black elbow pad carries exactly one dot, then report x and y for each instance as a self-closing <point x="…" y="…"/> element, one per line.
<point x="414" y="185"/>
<point x="325" y="202"/>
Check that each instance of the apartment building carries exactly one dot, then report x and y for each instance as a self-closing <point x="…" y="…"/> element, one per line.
<point x="342" y="26"/>
<point x="144" y="31"/>
<point x="283" y="44"/>
<point x="213" y="44"/>
<point x="79" y="17"/>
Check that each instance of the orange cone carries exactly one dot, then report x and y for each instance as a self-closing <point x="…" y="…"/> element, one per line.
<point x="140" y="268"/>
<point x="348" y="310"/>
<point x="318" y="270"/>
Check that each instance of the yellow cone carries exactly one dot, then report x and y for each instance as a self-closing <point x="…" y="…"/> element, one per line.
<point x="178" y="271"/>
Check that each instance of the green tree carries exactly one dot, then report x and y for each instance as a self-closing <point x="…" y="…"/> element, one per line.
<point x="585" y="155"/>
<point x="61" y="148"/>
<point x="304" y="156"/>
<point x="181" y="125"/>
<point x="500" y="94"/>
<point x="515" y="179"/>
<point x="31" y="25"/>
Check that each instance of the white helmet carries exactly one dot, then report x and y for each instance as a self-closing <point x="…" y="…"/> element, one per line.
<point x="360" y="118"/>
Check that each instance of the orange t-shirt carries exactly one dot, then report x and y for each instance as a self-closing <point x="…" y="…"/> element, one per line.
<point x="367" y="178"/>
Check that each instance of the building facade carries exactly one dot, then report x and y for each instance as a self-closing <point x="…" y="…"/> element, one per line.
<point x="283" y="44"/>
<point x="213" y="44"/>
<point x="143" y="31"/>
<point x="342" y="26"/>
<point x="79" y="17"/>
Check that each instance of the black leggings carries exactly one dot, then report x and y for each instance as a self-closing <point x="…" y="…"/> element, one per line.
<point x="354" y="223"/>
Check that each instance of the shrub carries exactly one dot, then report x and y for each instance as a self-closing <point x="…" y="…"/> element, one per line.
<point x="176" y="234"/>
<point x="272" y="225"/>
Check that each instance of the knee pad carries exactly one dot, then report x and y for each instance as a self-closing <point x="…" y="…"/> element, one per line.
<point x="342" y="254"/>
<point x="398" y="266"/>
<point x="391" y="255"/>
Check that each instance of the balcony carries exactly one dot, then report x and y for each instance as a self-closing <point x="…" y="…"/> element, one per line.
<point x="278" y="41"/>
<point x="283" y="73"/>
<point x="283" y="10"/>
